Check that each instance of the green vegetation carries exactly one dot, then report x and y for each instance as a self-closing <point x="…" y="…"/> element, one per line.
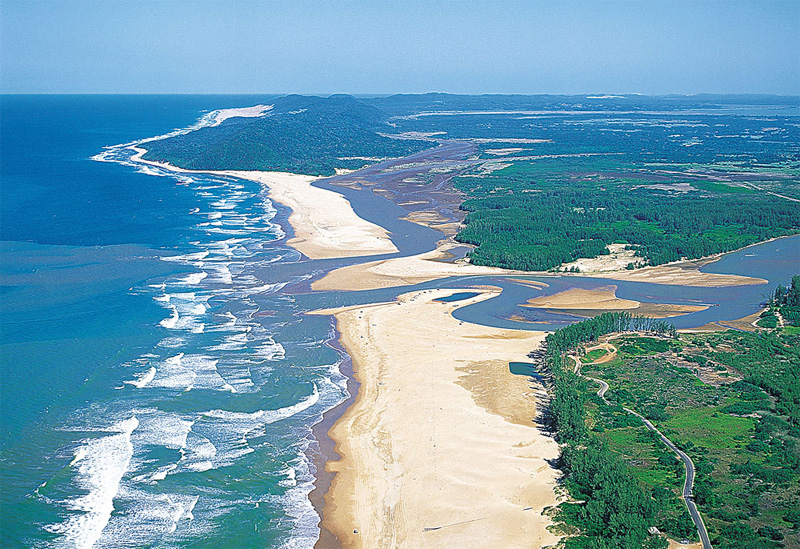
<point x="729" y="400"/>
<point x="597" y="354"/>
<point x="555" y="187"/>
<point x="787" y="302"/>
<point x="616" y="510"/>
<point x="539" y="215"/>
<point x="300" y="134"/>
<point x="720" y="187"/>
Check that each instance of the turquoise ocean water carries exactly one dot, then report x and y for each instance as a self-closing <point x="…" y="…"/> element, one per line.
<point x="147" y="400"/>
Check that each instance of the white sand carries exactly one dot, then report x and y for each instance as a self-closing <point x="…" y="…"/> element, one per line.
<point x="323" y="221"/>
<point x="245" y="112"/>
<point x="439" y="448"/>
<point x="403" y="271"/>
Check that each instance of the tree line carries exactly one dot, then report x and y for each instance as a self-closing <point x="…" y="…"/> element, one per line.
<point x="617" y="511"/>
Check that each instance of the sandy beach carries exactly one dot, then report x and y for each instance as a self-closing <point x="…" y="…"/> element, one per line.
<point x="403" y="271"/>
<point x="587" y="303"/>
<point x="324" y="223"/>
<point x="440" y="448"/>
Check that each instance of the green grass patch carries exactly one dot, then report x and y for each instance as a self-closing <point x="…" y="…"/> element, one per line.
<point x="593" y="356"/>
<point x="644" y="345"/>
<point x="710" y="428"/>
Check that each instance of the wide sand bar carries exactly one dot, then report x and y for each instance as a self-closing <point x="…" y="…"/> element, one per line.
<point x="324" y="222"/>
<point x="440" y="447"/>
<point x="403" y="271"/>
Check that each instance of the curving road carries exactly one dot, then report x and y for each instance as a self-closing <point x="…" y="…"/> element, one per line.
<point x="688" y="484"/>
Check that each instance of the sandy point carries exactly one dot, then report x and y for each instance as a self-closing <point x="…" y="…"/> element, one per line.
<point x="404" y="271"/>
<point x="441" y="447"/>
<point x="324" y="222"/>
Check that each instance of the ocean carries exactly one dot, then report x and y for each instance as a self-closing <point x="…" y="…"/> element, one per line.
<point x="147" y="400"/>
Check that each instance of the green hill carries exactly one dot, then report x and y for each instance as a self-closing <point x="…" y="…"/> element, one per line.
<point x="300" y="134"/>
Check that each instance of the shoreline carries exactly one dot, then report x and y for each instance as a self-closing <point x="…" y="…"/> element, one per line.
<point x="324" y="223"/>
<point x="326" y="446"/>
<point x="441" y="436"/>
<point x="329" y="458"/>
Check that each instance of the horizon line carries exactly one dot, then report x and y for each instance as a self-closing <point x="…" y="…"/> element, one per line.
<point x="588" y="95"/>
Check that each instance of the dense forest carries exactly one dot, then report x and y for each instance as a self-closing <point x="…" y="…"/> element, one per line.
<point x="537" y="216"/>
<point x="300" y="134"/>
<point x="728" y="399"/>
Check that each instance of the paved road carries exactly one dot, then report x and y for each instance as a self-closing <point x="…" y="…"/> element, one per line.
<point x="687" y="461"/>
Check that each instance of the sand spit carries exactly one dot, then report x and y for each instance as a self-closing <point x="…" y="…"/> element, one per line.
<point x="684" y="273"/>
<point x="577" y="298"/>
<point x="440" y="448"/>
<point x="403" y="271"/>
<point x="324" y="223"/>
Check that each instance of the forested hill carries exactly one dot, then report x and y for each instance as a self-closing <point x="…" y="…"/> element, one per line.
<point x="300" y="134"/>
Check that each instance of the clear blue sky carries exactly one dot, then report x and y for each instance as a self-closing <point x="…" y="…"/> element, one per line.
<point x="389" y="46"/>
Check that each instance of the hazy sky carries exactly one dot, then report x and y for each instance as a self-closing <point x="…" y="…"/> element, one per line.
<point x="390" y="46"/>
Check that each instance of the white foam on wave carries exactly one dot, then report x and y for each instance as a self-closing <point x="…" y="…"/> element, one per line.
<point x="172" y="321"/>
<point x="221" y="273"/>
<point x="187" y="308"/>
<point x="195" y="256"/>
<point x="192" y="279"/>
<point x="235" y="342"/>
<point x="143" y="379"/>
<point x="269" y="349"/>
<point x="149" y="170"/>
<point x="232" y="232"/>
<point x="148" y="518"/>
<point x="266" y="416"/>
<point x="291" y="477"/>
<point x="175" y="342"/>
<point x="160" y="428"/>
<point x="199" y="453"/>
<point x="100" y="465"/>
<point x="187" y="372"/>
<point x="220" y="437"/>
<point x="162" y="473"/>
